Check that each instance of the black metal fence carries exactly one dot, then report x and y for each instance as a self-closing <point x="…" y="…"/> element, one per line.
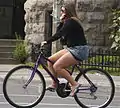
<point x="108" y="60"/>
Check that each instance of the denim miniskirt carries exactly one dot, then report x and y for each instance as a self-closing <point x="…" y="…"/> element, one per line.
<point x="79" y="52"/>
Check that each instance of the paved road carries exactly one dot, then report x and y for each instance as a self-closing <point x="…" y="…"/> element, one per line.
<point x="51" y="100"/>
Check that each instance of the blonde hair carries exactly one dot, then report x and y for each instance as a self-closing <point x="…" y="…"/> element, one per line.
<point x="70" y="9"/>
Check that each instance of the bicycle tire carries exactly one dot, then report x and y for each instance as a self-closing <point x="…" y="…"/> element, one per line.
<point x="85" y="102"/>
<point x="12" y="86"/>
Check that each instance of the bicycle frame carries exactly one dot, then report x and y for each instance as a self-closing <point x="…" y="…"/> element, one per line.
<point x="40" y="61"/>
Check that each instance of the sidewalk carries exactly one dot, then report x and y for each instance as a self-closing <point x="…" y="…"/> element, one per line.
<point x="5" y="68"/>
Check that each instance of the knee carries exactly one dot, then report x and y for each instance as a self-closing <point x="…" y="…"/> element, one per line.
<point x="57" y="68"/>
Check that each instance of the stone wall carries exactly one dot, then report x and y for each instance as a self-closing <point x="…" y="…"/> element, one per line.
<point x="35" y="19"/>
<point x="94" y="14"/>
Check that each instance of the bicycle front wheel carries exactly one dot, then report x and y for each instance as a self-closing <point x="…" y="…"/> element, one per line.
<point x="98" y="95"/>
<point x="15" y="91"/>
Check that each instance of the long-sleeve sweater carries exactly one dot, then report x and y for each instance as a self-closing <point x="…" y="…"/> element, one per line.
<point x="73" y="33"/>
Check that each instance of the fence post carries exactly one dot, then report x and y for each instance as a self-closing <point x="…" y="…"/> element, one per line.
<point x="101" y="54"/>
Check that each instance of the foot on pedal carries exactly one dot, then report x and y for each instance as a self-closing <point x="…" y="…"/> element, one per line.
<point x="51" y="88"/>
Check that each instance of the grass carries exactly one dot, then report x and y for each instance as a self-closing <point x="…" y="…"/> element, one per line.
<point x="32" y="64"/>
<point x="105" y="60"/>
<point x="110" y="70"/>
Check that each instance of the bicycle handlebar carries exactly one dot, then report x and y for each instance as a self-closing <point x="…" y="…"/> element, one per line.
<point x="38" y="48"/>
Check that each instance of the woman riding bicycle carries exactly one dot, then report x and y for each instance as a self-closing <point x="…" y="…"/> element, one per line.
<point x="70" y="31"/>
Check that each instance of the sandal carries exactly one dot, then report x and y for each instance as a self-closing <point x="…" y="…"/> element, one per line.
<point x="51" y="88"/>
<point x="74" y="90"/>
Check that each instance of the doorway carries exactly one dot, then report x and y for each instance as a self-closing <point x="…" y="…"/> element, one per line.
<point x="48" y="30"/>
<point x="18" y="21"/>
<point x="6" y="13"/>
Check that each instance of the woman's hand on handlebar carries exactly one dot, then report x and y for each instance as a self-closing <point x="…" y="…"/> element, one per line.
<point x="43" y="43"/>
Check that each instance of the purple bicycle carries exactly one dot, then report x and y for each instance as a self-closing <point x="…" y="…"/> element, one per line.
<point x="25" y="86"/>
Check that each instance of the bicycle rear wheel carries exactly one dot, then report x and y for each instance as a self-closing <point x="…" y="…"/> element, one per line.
<point x="15" y="92"/>
<point x="99" y="97"/>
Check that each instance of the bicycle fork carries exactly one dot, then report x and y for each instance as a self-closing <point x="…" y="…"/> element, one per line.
<point x="33" y="73"/>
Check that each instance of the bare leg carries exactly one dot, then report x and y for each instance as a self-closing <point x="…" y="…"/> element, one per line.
<point x="54" y="58"/>
<point x="63" y="62"/>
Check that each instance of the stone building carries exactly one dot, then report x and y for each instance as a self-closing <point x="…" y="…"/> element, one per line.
<point x="32" y="20"/>
<point x="94" y="15"/>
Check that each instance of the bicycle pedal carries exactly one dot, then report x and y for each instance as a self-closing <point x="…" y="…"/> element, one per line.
<point x="67" y="90"/>
<point x="51" y="89"/>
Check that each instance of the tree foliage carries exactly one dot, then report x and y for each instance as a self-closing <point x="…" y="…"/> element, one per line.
<point x="115" y="29"/>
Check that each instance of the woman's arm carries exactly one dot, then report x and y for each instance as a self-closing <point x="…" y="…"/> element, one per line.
<point x="60" y="25"/>
<point x="61" y="32"/>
